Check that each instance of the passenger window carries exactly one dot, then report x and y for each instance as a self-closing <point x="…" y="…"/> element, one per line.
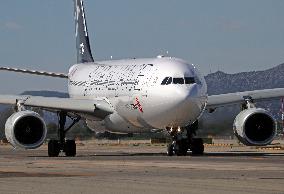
<point x="189" y="80"/>
<point x="178" y="81"/>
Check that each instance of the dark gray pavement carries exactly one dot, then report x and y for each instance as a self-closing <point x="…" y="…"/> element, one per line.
<point x="142" y="169"/>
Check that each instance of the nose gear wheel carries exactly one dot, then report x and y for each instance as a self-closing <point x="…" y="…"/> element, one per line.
<point x="184" y="141"/>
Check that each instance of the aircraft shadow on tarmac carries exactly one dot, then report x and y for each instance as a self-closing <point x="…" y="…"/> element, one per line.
<point x="215" y="154"/>
<point x="221" y="154"/>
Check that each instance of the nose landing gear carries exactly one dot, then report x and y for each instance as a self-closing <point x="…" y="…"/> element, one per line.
<point x="183" y="140"/>
<point x="178" y="147"/>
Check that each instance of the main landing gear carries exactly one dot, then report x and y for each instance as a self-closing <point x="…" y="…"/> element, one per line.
<point x="66" y="146"/>
<point x="183" y="140"/>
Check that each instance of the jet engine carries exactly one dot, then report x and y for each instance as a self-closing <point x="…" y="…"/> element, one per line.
<point x="25" y="129"/>
<point x="255" y="127"/>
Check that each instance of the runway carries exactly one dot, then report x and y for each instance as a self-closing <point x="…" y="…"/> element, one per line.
<point x="135" y="168"/>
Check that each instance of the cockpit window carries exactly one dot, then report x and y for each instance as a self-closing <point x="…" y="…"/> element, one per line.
<point x="170" y="80"/>
<point x="167" y="81"/>
<point x="179" y="80"/>
<point x="189" y="80"/>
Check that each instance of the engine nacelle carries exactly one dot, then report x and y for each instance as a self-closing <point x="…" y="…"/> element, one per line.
<point x="25" y="129"/>
<point x="255" y="127"/>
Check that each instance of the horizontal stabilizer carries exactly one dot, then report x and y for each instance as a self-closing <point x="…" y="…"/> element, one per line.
<point x="44" y="73"/>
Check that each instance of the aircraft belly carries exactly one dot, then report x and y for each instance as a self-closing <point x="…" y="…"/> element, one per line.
<point x="143" y="113"/>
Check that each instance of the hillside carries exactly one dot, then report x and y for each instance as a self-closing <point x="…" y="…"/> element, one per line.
<point x="221" y="82"/>
<point x="46" y="94"/>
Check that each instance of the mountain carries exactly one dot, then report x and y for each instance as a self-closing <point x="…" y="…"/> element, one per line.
<point x="221" y="82"/>
<point x="46" y="93"/>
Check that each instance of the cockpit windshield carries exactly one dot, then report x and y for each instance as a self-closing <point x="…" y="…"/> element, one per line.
<point x="189" y="80"/>
<point x="167" y="81"/>
<point x="178" y="80"/>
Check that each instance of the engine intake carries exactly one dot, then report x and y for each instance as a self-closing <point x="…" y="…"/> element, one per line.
<point x="255" y="127"/>
<point x="25" y="129"/>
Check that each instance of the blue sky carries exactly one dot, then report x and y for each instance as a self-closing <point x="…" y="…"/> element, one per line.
<point x="227" y="35"/>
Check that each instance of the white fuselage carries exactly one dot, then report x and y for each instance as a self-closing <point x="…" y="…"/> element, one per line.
<point x="144" y="93"/>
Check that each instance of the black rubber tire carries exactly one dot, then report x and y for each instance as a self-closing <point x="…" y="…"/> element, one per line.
<point x="70" y="148"/>
<point x="53" y="148"/>
<point x="182" y="148"/>
<point x="197" y="147"/>
<point x="170" y="150"/>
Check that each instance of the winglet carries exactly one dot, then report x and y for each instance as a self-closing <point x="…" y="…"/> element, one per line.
<point x="84" y="54"/>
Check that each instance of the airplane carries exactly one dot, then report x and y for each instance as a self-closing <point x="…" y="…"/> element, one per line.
<point x="133" y="96"/>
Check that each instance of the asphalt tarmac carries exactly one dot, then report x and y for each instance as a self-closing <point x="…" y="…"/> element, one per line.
<point x="134" y="168"/>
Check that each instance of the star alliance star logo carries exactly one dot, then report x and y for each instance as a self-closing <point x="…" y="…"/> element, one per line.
<point x="82" y="47"/>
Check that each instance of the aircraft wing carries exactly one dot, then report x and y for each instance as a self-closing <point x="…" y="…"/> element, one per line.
<point x="216" y="101"/>
<point x="34" y="72"/>
<point x="97" y="108"/>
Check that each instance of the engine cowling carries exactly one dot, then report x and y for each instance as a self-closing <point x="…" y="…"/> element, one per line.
<point x="255" y="127"/>
<point x="25" y="129"/>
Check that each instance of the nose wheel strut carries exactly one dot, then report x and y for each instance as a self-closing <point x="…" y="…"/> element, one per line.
<point x="63" y="145"/>
<point x="184" y="141"/>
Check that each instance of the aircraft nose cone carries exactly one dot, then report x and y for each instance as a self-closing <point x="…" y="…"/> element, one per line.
<point x="193" y="91"/>
<point x="190" y="104"/>
<point x="187" y="93"/>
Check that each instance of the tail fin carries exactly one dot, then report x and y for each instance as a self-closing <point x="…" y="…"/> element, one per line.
<point x="84" y="53"/>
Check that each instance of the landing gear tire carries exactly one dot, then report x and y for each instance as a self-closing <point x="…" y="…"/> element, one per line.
<point x="67" y="146"/>
<point x="197" y="147"/>
<point x="53" y="148"/>
<point x="70" y="148"/>
<point x="170" y="150"/>
<point x="181" y="147"/>
<point x="182" y="141"/>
